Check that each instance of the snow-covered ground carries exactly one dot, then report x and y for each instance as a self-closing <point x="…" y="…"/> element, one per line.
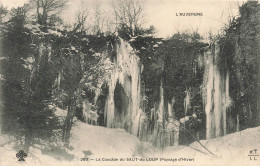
<point x="95" y="143"/>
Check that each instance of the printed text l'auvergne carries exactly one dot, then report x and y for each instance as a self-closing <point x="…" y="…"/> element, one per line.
<point x="189" y="14"/>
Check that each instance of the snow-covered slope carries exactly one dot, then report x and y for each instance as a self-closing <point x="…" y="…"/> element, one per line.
<point x="233" y="149"/>
<point x="95" y="143"/>
<point x="101" y="141"/>
<point x="87" y="141"/>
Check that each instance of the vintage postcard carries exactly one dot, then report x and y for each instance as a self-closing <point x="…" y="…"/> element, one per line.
<point x="130" y="82"/>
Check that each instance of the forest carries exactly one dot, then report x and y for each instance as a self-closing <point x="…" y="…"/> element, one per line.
<point x="116" y="73"/>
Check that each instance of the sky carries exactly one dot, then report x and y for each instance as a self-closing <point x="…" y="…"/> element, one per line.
<point x="164" y="14"/>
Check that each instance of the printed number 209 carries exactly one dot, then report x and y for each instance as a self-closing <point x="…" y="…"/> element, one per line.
<point x="83" y="159"/>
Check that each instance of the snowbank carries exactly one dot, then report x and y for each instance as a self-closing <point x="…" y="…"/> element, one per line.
<point x="98" y="143"/>
<point x="232" y="149"/>
<point x="101" y="141"/>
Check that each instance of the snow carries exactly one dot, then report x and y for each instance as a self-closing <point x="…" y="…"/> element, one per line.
<point x="194" y="115"/>
<point x="100" y="142"/>
<point x="232" y="149"/>
<point x="95" y="140"/>
<point x="32" y="27"/>
<point x="54" y="32"/>
<point x="97" y="54"/>
<point x="85" y="39"/>
<point x="155" y="46"/>
<point x="28" y="62"/>
<point x="132" y="40"/>
<point x="182" y="120"/>
<point x="60" y="113"/>
<point x="185" y="119"/>
<point x="1" y="77"/>
<point x="72" y="48"/>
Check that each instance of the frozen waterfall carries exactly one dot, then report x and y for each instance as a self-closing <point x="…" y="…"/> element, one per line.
<point x="215" y="94"/>
<point x="122" y="107"/>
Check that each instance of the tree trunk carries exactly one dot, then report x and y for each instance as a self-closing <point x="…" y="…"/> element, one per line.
<point x="28" y="128"/>
<point x="27" y="141"/>
<point x="68" y="123"/>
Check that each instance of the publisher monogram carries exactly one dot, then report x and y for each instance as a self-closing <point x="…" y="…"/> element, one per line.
<point x="253" y="154"/>
<point x="21" y="155"/>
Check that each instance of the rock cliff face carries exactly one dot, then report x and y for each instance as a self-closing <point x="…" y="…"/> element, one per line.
<point x="231" y="70"/>
<point x="231" y="76"/>
<point x="245" y="60"/>
<point x="258" y="58"/>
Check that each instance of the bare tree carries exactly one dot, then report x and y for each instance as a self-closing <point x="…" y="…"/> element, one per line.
<point x="81" y="17"/>
<point x="102" y="19"/>
<point x="3" y="12"/>
<point x="129" y="15"/>
<point x="98" y="19"/>
<point x="47" y="9"/>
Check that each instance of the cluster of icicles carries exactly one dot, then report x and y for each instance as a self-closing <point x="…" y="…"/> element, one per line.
<point x="216" y="99"/>
<point x="127" y="73"/>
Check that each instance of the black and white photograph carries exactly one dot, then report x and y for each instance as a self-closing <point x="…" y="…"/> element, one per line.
<point x="129" y="82"/>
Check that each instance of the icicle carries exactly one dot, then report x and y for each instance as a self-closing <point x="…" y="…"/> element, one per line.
<point x="208" y="101"/>
<point x="228" y="99"/>
<point x="173" y="124"/>
<point x="227" y="103"/>
<point x="187" y="102"/>
<point x="49" y="52"/>
<point x="170" y="125"/>
<point x="200" y="61"/>
<point x="194" y="69"/>
<point x="176" y="132"/>
<point x="217" y="94"/>
<point x="237" y="125"/>
<point x="89" y="115"/>
<point x="161" y="105"/>
<point x="170" y="112"/>
<point x="109" y="110"/>
<point x="217" y="101"/>
<point x="58" y="80"/>
<point x="41" y="48"/>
